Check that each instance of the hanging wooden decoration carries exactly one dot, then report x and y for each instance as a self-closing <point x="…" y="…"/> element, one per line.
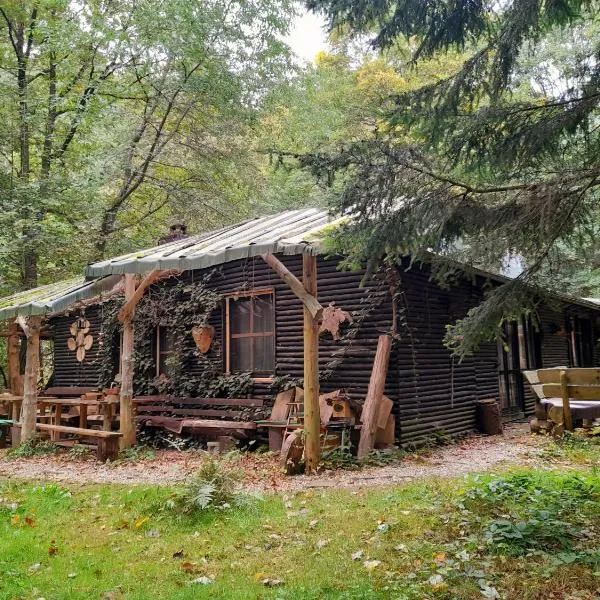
<point x="203" y="336"/>
<point x="333" y="317"/>
<point x="81" y="341"/>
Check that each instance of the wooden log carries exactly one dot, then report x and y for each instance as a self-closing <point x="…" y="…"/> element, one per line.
<point x="32" y="328"/>
<point x="312" y="419"/>
<point x="128" y="309"/>
<point x="566" y="404"/>
<point x="127" y="421"/>
<point x="15" y="379"/>
<point x="374" y="395"/>
<point x="309" y="299"/>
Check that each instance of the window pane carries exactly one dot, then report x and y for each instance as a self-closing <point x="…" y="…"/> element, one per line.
<point x="264" y="354"/>
<point x="239" y="311"/>
<point x="241" y="354"/>
<point x="263" y="313"/>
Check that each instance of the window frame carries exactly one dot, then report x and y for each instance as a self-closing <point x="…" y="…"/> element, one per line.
<point x="158" y="352"/>
<point x="262" y="378"/>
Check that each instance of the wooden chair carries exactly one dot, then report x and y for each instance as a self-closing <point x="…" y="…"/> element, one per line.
<point x="568" y="394"/>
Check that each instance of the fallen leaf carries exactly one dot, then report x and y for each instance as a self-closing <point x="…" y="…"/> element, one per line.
<point x="371" y="564"/>
<point x="272" y="582"/>
<point x="53" y="548"/>
<point x="322" y="543"/>
<point x="141" y="522"/>
<point x="357" y="555"/>
<point x="189" y="567"/>
<point x="203" y="580"/>
<point x="178" y="554"/>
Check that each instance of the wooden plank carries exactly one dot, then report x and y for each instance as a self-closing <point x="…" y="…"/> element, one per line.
<point x="32" y="373"/>
<point x="252" y="402"/>
<point x="374" y="395"/>
<point x="67" y="391"/>
<point x="300" y="288"/>
<point x="385" y="410"/>
<point x="280" y="408"/>
<point x="312" y="419"/>
<point x="577" y="376"/>
<point x="78" y="430"/>
<point x="212" y="424"/>
<point x="575" y="392"/>
<point x="127" y="423"/>
<point x="187" y="412"/>
<point x="386" y="436"/>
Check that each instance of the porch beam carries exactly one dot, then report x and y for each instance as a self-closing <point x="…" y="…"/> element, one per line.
<point x="128" y="308"/>
<point x="127" y="418"/>
<point x="312" y="417"/>
<point x="31" y="327"/>
<point x="301" y="291"/>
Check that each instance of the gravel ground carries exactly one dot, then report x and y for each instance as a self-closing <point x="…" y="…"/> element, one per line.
<point x="474" y="454"/>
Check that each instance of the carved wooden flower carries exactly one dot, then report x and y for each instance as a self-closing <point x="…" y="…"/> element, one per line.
<point x="81" y="340"/>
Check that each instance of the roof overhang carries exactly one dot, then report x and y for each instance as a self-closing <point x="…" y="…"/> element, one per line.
<point x="55" y="297"/>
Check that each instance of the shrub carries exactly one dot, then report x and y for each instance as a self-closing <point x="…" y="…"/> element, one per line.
<point x="212" y="487"/>
<point x="33" y="447"/>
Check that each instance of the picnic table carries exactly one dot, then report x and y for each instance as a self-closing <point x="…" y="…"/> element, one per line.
<point x="55" y="408"/>
<point x="14" y="403"/>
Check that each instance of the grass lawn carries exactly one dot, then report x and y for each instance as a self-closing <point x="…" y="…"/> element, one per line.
<point x="516" y="535"/>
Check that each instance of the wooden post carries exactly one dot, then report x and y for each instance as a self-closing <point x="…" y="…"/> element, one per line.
<point x="566" y="402"/>
<point x="15" y="380"/>
<point x="312" y="417"/>
<point x="32" y="328"/>
<point x="374" y="395"/>
<point x="127" y="427"/>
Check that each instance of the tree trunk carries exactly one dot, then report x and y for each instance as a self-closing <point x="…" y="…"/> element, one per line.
<point x="15" y="380"/>
<point x="312" y="419"/>
<point x="32" y="374"/>
<point x="126" y="400"/>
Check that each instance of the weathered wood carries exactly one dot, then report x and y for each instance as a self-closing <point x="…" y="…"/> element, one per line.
<point x="128" y="309"/>
<point x="312" y="419"/>
<point x="15" y="379"/>
<point x="308" y="297"/>
<point x="107" y="444"/>
<point x="127" y="421"/>
<point x="566" y="406"/>
<point x="577" y="376"/>
<point x="374" y="396"/>
<point x="173" y="400"/>
<point x="31" y="329"/>
<point x="589" y="393"/>
<point x="73" y="391"/>
<point x="80" y="431"/>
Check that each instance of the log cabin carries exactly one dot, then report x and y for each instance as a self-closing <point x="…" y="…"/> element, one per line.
<point x="215" y="317"/>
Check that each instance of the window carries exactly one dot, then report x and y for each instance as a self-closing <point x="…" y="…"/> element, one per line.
<point x="250" y="328"/>
<point x="164" y="349"/>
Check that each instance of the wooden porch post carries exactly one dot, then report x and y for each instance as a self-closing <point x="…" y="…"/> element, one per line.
<point x="312" y="419"/>
<point x="127" y="426"/>
<point x="31" y="328"/>
<point x="15" y="380"/>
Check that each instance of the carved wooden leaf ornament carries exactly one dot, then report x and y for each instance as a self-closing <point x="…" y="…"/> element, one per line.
<point x="203" y="336"/>
<point x="81" y="340"/>
<point x="333" y="317"/>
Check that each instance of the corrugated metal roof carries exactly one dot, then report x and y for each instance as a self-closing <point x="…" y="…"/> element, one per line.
<point x="53" y="298"/>
<point x="289" y="232"/>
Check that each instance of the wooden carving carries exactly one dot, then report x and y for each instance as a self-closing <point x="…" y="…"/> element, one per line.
<point x="81" y="341"/>
<point x="333" y="317"/>
<point x="203" y="336"/>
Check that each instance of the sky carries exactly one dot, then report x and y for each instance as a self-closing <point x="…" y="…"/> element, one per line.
<point x="307" y="37"/>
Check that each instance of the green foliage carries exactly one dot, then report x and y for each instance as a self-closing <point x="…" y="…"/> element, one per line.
<point x="136" y="454"/>
<point x="34" y="446"/>
<point x="214" y="486"/>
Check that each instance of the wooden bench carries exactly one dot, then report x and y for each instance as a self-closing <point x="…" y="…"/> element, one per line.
<point x="176" y="414"/>
<point x="567" y="394"/>
<point x="107" y="442"/>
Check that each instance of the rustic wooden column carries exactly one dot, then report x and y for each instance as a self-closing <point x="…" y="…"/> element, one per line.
<point x="31" y="328"/>
<point x="15" y="380"/>
<point x="312" y="418"/>
<point x="127" y="420"/>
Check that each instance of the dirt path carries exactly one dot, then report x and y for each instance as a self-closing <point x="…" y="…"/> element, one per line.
<point x="474" y="454"/>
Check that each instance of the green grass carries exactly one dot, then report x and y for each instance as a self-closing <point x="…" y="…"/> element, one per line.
<point x="485" y="537"/>
<point x="576" y="448"/>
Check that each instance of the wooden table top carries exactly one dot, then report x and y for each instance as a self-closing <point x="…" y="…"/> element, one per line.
<point x="75" y="402"/>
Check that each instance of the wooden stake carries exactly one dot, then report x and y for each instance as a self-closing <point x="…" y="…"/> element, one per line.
<point x="15" y="379"/>
<point x="309" y="299"/>
<point x="127" y="420"/>
<point x="312" y="418"/>
<point x="32" y="328"/>
<point x="374" y="395"/>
